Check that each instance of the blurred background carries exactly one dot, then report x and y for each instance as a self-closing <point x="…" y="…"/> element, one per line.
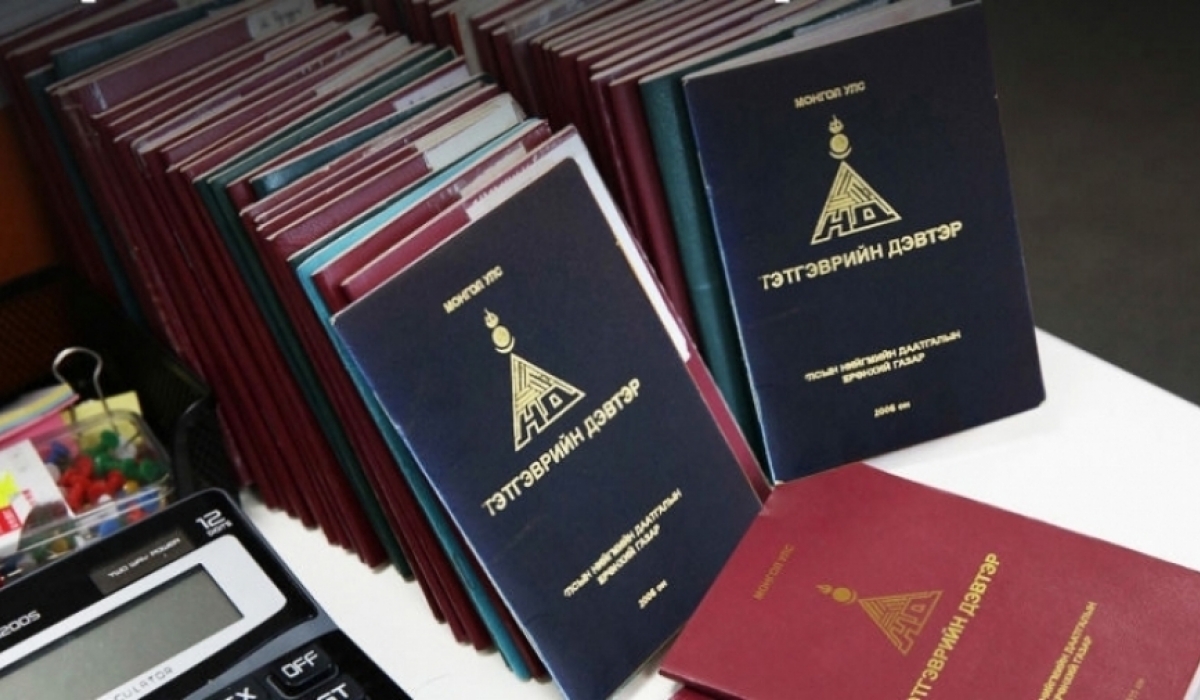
<point x="1100" y="103"/>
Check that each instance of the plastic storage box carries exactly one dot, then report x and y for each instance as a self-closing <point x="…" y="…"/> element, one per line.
<point x="42" y="314"/>
<point x="111" y="472"/>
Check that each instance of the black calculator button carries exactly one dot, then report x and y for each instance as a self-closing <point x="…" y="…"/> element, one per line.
<point x="340" y="688"/>
<point x="247" y="689"/>
<point x="301" y="670"/>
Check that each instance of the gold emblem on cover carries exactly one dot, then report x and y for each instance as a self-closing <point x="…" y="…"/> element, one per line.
<point x="900" y="617"/>
<point x="852" y="206"/>
<point x="538" y="397"/>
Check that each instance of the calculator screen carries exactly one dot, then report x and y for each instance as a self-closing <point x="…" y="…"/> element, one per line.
<point x="128" y="641"/>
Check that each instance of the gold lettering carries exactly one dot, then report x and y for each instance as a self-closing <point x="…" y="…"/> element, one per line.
<point x="776" y="567"/>
<point x="1074" y="652"/>
<point x="628" y="545"/>
<point x="829" y="94"/>
<point x="877" y="363"/>
<point x="952" y="633"/>
<point x="473" y="289"/>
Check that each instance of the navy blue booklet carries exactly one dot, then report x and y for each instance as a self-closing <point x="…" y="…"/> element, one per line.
<point x="859" y="190"/>
<point x="545" y="388"/>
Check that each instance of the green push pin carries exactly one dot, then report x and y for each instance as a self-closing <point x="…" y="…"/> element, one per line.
<point x="109" y="439"/>
<point x="129" y="468"/>
<point x="105" y="463"/>
<point x="152" y="470"/>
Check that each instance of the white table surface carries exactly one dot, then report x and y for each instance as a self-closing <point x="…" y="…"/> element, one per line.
<point x="1107" y="454"/>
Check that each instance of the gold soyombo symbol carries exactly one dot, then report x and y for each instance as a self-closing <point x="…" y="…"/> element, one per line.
<point x="538" y="397"/>
<point x="852" y="206"/>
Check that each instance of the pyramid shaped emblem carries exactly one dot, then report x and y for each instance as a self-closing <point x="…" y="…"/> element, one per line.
<point x="900" y="617"/>
<point x="853" y="205"/>
<point x="538" y="397"/>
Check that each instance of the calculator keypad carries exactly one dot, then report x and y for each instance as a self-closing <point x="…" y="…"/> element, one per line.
<point x="302" y="670"/>
<point x="247" y="689"/>
<point x="340" y="688"/>
<point x="329" y="668"/>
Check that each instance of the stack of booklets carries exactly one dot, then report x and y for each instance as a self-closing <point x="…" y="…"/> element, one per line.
<point x="429" y="328"/>
<point x="825" y="193"/>
<point x="435" y="334"/>
<point x="594" y="65"/>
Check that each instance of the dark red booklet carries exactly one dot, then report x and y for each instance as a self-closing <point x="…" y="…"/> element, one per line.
<point x="856" y="583"/>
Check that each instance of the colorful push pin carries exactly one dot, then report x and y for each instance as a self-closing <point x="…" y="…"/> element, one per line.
<point x="59" y="453"/>
<point x="96" y="489"/>
<point x="129" y="467"/>
<point x="131" y="487"/>
<point x="151" y="470"/>
<point x="109" y="439"/>
<point x="85" y="465"/>
<point x="135" y="515"/>
<point x="77" y="496"/>
<point x="114" y="481"/>
<point x="60" y="546"/>
<point x="106" y="463"/>
<point x="108" y="527"/>
<point x="67" y="478"/>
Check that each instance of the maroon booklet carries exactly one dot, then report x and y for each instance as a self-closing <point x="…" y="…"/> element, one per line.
<point x="607" y="35"/>
<point x="498" y="157"/>
<point x="530" y="56"/>
<point x="622" y="128"/>
<point x="334" y="180"/>
<point x="329" y="277"/>
<point x="411" y="243"/>
<point x="182" y="94"/>
<point x="402" y="512"/>
<point x="257" y="192"/>
<point x="125" y="207"/>
<point x="855" y="583"/>
<point x="378" y="467"/>
<point x="638" y="37"/>
<point x="207" y="149"/>
<point x="375" y="457"/>
<point x="243" y="347"/>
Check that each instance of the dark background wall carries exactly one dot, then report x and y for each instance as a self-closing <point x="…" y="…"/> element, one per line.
<point x="1100" y="102"/>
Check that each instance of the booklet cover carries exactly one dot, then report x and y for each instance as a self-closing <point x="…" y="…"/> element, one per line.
<point x="857" y="180"/>
<point x="856" y="583"/>
<point x="533" y="366"/>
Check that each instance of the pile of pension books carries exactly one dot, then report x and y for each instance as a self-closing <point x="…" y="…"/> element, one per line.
<point x="507" y="293"/>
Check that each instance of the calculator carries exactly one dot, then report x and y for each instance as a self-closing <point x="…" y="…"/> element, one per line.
<point x="190" y="603"/>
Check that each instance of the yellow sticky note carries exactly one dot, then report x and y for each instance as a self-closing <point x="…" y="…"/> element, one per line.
<point x="8" y="489"/>
<point x="121" y="402"/>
